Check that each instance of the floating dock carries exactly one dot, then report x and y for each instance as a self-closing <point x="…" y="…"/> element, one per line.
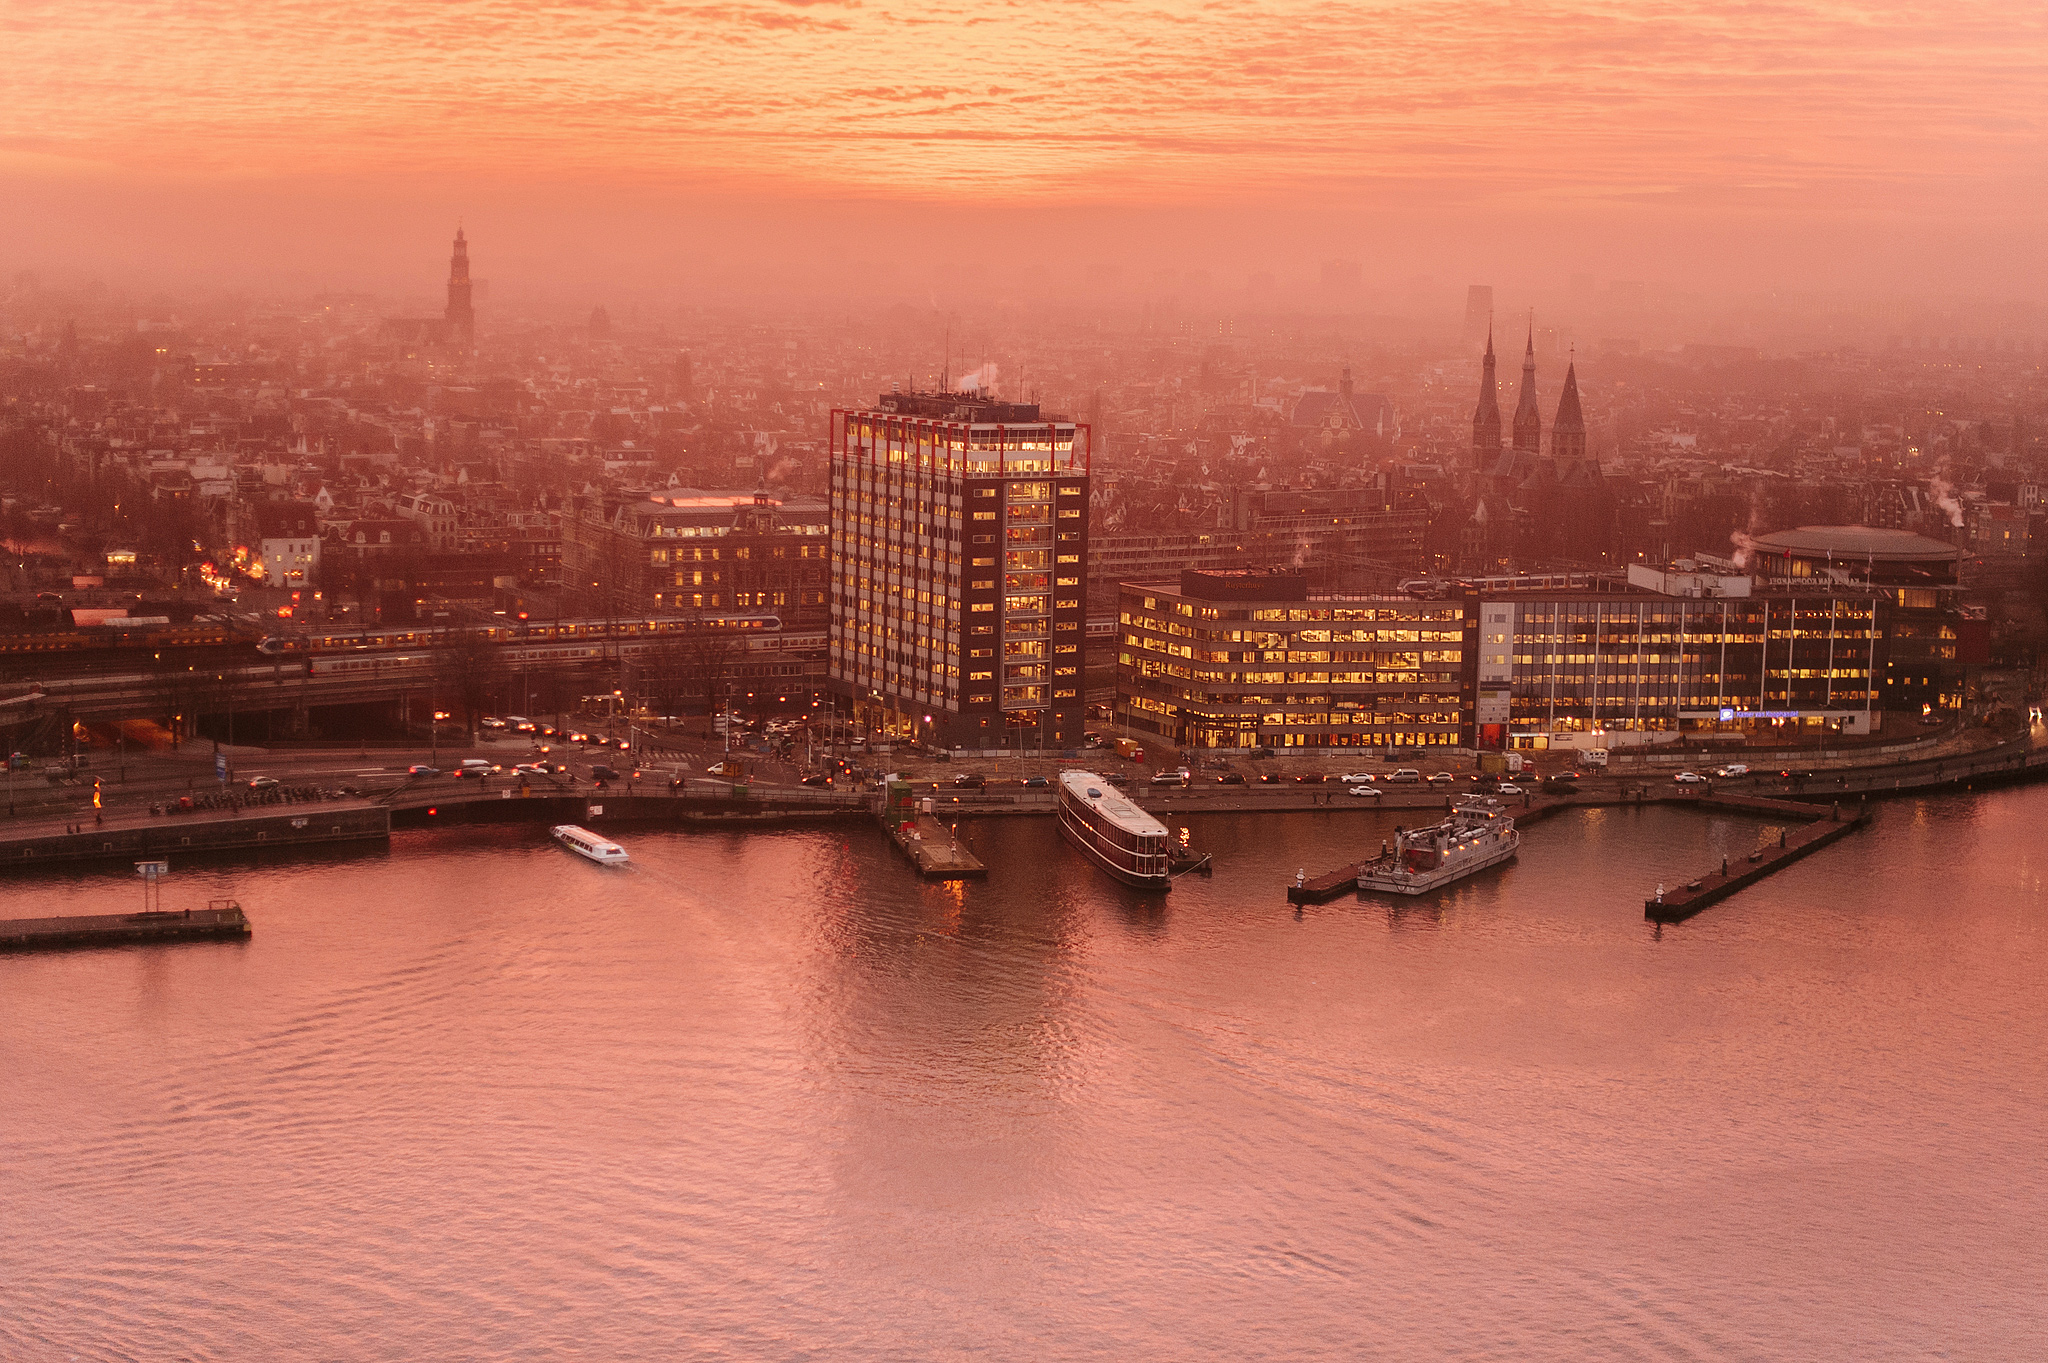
<point x="224" y="922"/>
<point x="1677" y="905"/>
<point x="936" y="851"/>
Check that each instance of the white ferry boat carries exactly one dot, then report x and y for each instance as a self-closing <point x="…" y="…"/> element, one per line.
<point x="1478" y="834"/>
<point x="1117" y="835"/>
<point x="585" y="843"/>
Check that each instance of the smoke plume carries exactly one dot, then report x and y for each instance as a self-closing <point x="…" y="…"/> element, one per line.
<point x="982" y="380"/>
<point x="1745" y="546"/>
<point x="1944" y="494"/>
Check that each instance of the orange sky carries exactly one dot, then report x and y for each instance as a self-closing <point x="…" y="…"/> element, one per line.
<point x="1776" y="138"/>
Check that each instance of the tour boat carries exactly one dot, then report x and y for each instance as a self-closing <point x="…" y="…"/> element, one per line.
<point x="585" y="843"/>
<point x="1478" y="834"/>
<point x="1117" y="835"/>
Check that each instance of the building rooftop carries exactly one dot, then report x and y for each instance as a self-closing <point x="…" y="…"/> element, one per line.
<point x="973" y="407"/>
<point x="1856" y="541"/>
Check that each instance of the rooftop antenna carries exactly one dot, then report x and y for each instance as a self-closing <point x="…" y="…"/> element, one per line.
<point x="946" y="369"/>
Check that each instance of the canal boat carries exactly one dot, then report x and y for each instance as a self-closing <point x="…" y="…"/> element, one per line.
<point x="587" y="844"/>
<point x="1478" y="833"/>
<point x="1114" y="833"/>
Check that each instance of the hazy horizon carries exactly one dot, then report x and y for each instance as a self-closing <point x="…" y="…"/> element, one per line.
<point x="841" y="150"/>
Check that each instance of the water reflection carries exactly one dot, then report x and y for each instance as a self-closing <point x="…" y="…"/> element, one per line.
<point x="771" y="1096"/>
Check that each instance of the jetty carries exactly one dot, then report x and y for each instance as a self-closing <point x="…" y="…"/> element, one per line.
<point x="1678" y="904"/>
<point x="127" y="836"/>
<point x="222" y="920"/>
<point x="933" y="847"/>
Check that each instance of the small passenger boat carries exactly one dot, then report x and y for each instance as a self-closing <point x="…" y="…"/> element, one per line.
<point x="585" y="843"/>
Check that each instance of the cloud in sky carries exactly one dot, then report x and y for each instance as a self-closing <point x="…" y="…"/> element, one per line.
<point x="1772" y="113"/>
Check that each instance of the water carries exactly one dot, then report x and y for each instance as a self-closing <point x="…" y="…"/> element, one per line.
<point x="767" y="1097"/>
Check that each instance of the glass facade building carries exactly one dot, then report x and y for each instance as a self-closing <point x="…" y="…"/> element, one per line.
<point x="1249" y="659"/>
<point x="959" y="552"/>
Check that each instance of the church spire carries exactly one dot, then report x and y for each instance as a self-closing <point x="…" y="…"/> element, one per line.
<point x="460" y="315"/>
<point x="1528" y="421"/>
<point x="1568" y="433"/>
<point x="1486" y="417"/>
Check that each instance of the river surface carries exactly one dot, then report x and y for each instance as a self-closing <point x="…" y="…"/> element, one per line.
<point x="766" y="1096"/>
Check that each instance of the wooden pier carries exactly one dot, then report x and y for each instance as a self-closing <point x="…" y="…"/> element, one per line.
<point x="221" y="922"/>
<point x="1678" y="904"/>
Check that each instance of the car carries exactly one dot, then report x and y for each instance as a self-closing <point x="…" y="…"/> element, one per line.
<point x="1408" y="774"/>
<point x="1443" y="778"/>
<point x="1310" y="779"/>
<point x="1269" y="779"/>
<point x="1560" y="785"/>
<point x="549" y="731"/>
<point x="1357" y="778"/>
<point x="1230" y="778"/>
<point x="1795" y="776"/>
<point x="1373" y="791"/>
<point x="492" y="722"/>
<point x="519" y="724"/>
<point x="474" y="773"/>
<point x="1733" y="769"/>
<point x="1510" y="788"/>
<point x="1178" y="776"/>
<point x="531" y="769"/>
<point x="968" y="780"/>
<point x="263" y="783"/>
<point x="422" y="769"/>
<point x="601" y="772"/>
<point x="1036" y="783"/>
<point x="1931" y="721"/>
<point x="1119" y="780"/>
<point x="817" y="780"/>
<point x="1690" y="778"/>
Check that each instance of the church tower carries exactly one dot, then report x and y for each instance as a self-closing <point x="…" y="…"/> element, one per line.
<point x="1568" y="434"/>
<point x="1486" y="417"/>
<point x="1528" y="421"/>
<point x="461" y="317"/>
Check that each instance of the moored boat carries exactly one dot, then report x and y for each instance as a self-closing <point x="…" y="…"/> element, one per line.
<point x="1114" y="833"/>
<point x="585" y="843"/>
<point x="1479" y="833"/>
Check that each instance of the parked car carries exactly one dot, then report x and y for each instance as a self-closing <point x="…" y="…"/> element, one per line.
<point x="1404" y="774"/>
<point x="1373" y="791"/>
<point x="1733" y="769"/>
<point x="263" y="783"/>
<point x="1230" y="778"/>
<point x="422" y="769"/>
<point x="1443" y="778"/>
<point x="1690" y="778"/>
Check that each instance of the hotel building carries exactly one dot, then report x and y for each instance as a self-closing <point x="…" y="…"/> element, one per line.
<point x="959" y="547"/>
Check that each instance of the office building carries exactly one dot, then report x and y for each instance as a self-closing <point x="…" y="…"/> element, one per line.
<point x="1244" y="659"/>
<point x="688" y="550"/>
<point x="959" y="550"/>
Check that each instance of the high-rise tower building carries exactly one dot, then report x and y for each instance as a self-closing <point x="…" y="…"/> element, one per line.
<point x="461" y="315"/>
<point x="1528" y="421"/>
<point x="1486" y="417"/>
<point x="1568" y="434"/>
<point x="959" y="554"/>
